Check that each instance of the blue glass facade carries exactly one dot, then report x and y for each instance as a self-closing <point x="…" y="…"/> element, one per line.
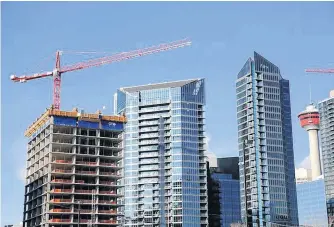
<point x="267" y="173"/>
<point x="164" y="163"/>
<point x="312" y="203"/>
<point x="326" y="110"/>
<point x="229" y="197"/>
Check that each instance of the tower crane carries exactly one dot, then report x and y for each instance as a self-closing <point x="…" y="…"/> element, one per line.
<point x="319" y="70"/>
<point x="58" y="70"/>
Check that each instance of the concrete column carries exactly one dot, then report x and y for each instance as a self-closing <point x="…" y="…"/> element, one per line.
<point x="314" y="153"/>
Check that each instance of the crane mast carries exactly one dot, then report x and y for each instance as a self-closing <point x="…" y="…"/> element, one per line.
<point x="58" y="70"/>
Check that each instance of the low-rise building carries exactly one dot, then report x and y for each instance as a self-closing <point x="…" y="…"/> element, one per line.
<point x="312" y="203"/>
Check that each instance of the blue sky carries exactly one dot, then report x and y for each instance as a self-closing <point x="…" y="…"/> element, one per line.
<point x="293" y="36"/>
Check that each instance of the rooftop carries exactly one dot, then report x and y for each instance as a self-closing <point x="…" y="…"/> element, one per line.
<point x="179" y="83"/>
<point x="74" y="113"/>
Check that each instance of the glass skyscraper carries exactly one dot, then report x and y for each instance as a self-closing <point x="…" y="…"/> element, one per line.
<point x="326" y="109"/>
<point x="312" y="203"/>
<point x="268" y="192"/>
<point x="164" y="162"/>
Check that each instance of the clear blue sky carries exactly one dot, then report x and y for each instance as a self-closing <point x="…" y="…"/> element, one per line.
<point x="291" y="35"/>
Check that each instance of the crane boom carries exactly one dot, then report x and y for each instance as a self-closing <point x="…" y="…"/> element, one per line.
<point x="319" y="70"/>
<point x="58" y="71"/>
<point x="125" y="56"/>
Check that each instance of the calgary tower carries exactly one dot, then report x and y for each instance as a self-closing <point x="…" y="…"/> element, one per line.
<point x="309" y="120"/>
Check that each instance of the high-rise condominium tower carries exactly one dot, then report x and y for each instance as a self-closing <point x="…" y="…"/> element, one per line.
<point x="164" y="160"/>
<point x="326" y="109"/>
<point x="267" y="173"/>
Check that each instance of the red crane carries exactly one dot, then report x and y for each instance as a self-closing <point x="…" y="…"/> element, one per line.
<point x="58" y="70"/>
<point x="319" y="70"/>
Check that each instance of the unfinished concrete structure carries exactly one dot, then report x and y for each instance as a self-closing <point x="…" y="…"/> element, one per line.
<point x="73" y="170"/>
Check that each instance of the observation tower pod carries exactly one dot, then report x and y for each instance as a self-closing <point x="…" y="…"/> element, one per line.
<point x="310" y="120"/>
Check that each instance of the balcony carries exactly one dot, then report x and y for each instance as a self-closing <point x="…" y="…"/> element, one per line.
<point x="110" y="174"/>
<point x="79" y="181"/>
<point x="62" y="161"/>
<point x="62" y="150"/>
<point x="149" y="175"/>
<point x="86" y="163"/>
<point x="62" y="201"/>
<point x="107" y="192"/>
<point x="107" y="164"/>
<point x="65" y="171"/>
<point x="61" y="191"/>
<point x="84" y="201"/>
<point x="107" y="202"/>
<point x="83" y="211"/>
<point x="148" y="148"/>
<point x="62" y="181"/>
<point x="58" y="220"/>
<point x="150" y="154"/>
<point x="60" y="211"/>
<point x="107" y="212"/>
<point x="148" y="142"/>
<point x="62" y="130"/>
<point x="107" y="183"/>
<point x="80" y="191"/>
<point x="108" y="221"/>
<point x="149" y="161"/>
<point x="86" y="172"/>
<point x="149" y="129"/>
<point x="62" y="141"/>
<point x="154" y="109"/>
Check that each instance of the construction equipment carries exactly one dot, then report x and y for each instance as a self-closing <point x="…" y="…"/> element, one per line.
<point x="58" y="71"/>
<point x="319" y="70"/>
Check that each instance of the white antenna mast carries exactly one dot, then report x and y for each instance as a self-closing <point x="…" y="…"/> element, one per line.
<point x="310" y="88"/>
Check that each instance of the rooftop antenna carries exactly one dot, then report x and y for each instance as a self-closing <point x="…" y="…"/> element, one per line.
<point x="310" y="88"/>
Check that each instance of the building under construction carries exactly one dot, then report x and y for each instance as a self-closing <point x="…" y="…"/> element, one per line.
<point x="74" y="170"/>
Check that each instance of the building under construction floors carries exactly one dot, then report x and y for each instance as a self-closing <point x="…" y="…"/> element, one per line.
<point x="74" y="167"/>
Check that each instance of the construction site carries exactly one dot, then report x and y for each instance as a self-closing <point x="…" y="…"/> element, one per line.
<point x="74" y="166"/>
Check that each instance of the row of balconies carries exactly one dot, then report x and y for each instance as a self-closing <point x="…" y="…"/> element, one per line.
<point x="67" y="181"/>
<point x="69" y="140"/>
<point x="84" y="172"/>
<point x="87" y="163"/>
<point x="82" y="211"/>
<point x="93" y="142"/>
<point x="83" y="201"/>
<point x="70" y="221"/>
<point x="32" y="158"/>
<point x="82" y="191"/>
<point x="85" y="132"/>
